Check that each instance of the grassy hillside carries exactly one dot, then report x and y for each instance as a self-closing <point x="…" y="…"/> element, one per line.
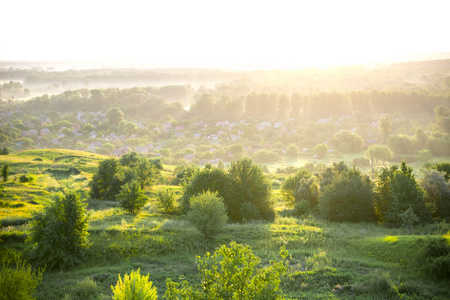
<point x="327" y="260"/>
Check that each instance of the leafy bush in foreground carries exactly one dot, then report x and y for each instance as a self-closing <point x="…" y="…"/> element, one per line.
<point x="231" y="273"/>
<point x="207" y="213"/>
<point x="17" y="280"/>
<point x="134" y="287"/>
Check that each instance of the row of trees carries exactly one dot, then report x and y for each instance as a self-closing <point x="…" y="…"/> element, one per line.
<point x="150" y="102"/>
<point x="276" y="106"/>
<point x="340" y="193"/>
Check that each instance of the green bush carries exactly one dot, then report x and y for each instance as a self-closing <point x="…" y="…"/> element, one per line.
<point x="85" y="289"/>
<point x="381" y="284"/>
<point x="348" y="198"/>
<point x="134" y="287"/>
<point x="244" y="182"/>
<point x="232" y="273"/>
<point x="301" y="208"/>
<point x="207" y="213"/>
<point x="24" y="178"/>
<point x="397" y="192"/>
<point x="361" y="162"/>
<point x="131" y="197"/>
<point x="249" y="212"/>
<point x="58" y="233"/>
<point x="17" y="280"/>
<point x="266" y="156"/>
<point x="435" y="259"/>
<point x="166" y="201"/>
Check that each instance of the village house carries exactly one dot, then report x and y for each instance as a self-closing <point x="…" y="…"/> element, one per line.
<point x="45" y="131"/>
<point x="167" y="126"/>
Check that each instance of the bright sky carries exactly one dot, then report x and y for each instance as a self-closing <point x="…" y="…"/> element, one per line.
<point x="233" y="34"/>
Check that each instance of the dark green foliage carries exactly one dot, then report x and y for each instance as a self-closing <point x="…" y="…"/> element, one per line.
<point x="381" y="284"/>
<point x="326" y="177"/>
<point x="443" y="167"/>
<point x="207" y="213"/>
<point x="301" y="186"/>
<point x="106" y="183"/>
<point x="5" y="172"/>
<point x="232" y="273"/>
<point x="213" y="180"/>
<point x="63" y="173"/>
<point x="24" y="178"/>
<point x="435" y="259"/>
<point x="397" y="191"/>
<point x="58" y="234"/>
<point x="85" y="289"/>
<point x="131" y="197"/>
<point x="348" y="198"/>
<point x="244" y="183"/>
<point x="112" y="174"/>
<point x="5" y="151"/>
<point x="248" y="184"/>
<point x="437" y="192"/>
<point x="184" y="174"/>
<point x="17" y="280"/>
<point x="166" y="201"/>
<point x="301" y="208"/>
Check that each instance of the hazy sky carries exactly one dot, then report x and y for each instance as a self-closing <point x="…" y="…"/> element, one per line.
<point x="256" y="34"/>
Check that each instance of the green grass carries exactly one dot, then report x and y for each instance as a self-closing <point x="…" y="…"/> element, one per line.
<point x="327" y="260"/>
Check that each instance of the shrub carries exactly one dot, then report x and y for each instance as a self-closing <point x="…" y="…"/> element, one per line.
<point x="266" y="156"/>
<point x="381" y="284"/>
<point x="86" y="289"/>
<point x="214" y="180"/>
<point x="318" y="261"/>
<point x="231" y="273"/>
<point x="397" y="192"/>
<point x="348" y="198"/>
<point x="347" y="142"/>
<point x="58" y="233"/>
<point x="435" y="259"/>
<point x="247" y="183"/>
<point x="166" y="201"/>
<point x="301" y="208"/>
<point x="131" y="197"/>
<point x="24" y="178"/>
<point x="361" y="162"/>
<point x="320" y="150"/>
<point x="249" y="212"/>
<point x="424" y="155"/>
<point x="207" y="213"/>
<point x="134" y="287"/>
<point x="17" y="279"/>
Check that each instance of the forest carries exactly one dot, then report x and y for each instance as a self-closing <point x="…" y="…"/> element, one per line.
<point x="223" y="184"/>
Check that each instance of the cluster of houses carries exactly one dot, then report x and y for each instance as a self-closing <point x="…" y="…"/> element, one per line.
<point x="194" y="133"/>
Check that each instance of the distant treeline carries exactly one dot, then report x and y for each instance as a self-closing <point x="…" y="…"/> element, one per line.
<point x="150" y="103"/>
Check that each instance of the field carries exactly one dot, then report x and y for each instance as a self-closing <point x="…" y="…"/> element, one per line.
<point x="327" y="260"/>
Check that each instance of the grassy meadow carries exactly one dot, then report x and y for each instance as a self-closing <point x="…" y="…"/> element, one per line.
<point x="327" y="260"/>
